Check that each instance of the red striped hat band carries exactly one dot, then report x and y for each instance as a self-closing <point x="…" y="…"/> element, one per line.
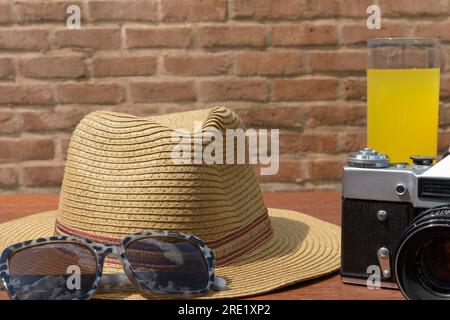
<point x="227" y="248"/>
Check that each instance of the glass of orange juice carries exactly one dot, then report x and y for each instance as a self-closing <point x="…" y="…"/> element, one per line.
<point x="403" y="97"/>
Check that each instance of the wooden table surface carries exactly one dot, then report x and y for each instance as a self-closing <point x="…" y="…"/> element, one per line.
<point x="323" y="205"/>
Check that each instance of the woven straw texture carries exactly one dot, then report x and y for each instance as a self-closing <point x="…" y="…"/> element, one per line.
<point x="120" y="178"/>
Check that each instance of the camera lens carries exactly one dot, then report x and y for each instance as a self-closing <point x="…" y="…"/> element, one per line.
<point x="435" y="264"/>
<point x="422" y="260"/>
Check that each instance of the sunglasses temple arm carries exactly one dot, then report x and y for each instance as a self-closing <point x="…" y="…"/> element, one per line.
<point x="119" y="282"/>
<point x="220" y="284"/>
<point x="116" y="282"/>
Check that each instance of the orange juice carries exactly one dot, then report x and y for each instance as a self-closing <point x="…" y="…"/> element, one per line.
<point x="403" y="111"/>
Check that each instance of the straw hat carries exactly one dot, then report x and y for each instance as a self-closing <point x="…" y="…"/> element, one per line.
<point x="119" y="178"/>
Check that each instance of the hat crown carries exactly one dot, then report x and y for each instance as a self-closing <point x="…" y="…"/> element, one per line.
<point x="120" y="178"/>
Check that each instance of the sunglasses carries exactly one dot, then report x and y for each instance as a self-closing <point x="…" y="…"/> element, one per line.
<point x="70" y="268"/>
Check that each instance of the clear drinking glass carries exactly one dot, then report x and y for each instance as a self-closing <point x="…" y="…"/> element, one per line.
<point x="403" y="97"/>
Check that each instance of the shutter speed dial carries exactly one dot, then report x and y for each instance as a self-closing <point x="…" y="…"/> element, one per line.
<point x="368" y="158"/>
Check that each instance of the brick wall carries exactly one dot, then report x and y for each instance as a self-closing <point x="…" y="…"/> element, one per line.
<point x="297" y="65"/>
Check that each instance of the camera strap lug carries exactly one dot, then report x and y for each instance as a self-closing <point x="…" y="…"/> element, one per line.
<point x="384" y="260"/>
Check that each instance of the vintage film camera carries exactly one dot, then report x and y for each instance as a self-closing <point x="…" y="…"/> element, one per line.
<point x="397" y="217"/>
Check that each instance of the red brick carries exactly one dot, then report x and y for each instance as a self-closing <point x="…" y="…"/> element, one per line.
<point x="90" y="93"/>
<point x="444" y="60"/>
<point x="197" y="64"/>
<point x="320" y="8"/>
<point x="43" y="11"/>
<point x="26" y="149"/>
<point x="42" y="176"/>
<point x="311" y="88"/>
<point x="304" y="34"/>
<point x="233" y="36"/>
<point x="356" y="8"/>
<point x="276" y="116"/>
<point x="150" y="110"/>
<point x="435" y="29"/>
<point x="6" y="68"/>
<point x="352" y="141"/>
<point x="33" y="94"/>
<point x="193" y="10"/>
<point x="234" y="90"/>
<point x="64" y="146"/>
<point x="444" y="140"/>
<point x="136" y="10"/>
<point x="337" y="60"/>
<point x="10" y="122"/>
<point x="52" y="67"/>
<point x="162" y="91"/>
<point x="164" y="37"/>
<point x="358" y="33"/>
<point x="8" y="177"/>
<point x="355" y="88"/>
<point x="267" y="9"/>
<point x="445" y="86"/>
<point x="294" y="142"/>
<point x="289" y="171"/>
<point x="268" y="63"/>
<point x="23" y="39"/>
<point x="88" y="38"/>
<point x="336" y="115"/>
<point x="325" y="168"/>
<point x="413" y="7"/>
<point x="116" y="66"/>
<point x="444" y="115"/>
<point x="5" y="12"/>
<point x="52" y="120"/>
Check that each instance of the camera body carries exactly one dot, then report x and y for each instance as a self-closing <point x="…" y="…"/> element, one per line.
<point x="379" y="201"/>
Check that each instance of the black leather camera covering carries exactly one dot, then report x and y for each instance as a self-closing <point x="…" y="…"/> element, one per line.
<point x="363" y="234"/>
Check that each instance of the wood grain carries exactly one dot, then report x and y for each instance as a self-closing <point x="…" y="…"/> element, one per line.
<point x="323" y="205"/>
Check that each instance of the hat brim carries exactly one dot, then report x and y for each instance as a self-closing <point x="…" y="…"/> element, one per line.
<point x="302" y="248"/>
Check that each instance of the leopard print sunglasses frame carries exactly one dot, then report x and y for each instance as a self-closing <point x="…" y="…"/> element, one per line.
<point x="117" y="282"/>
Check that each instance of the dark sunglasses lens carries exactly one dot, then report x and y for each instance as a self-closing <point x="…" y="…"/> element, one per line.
<point x="168" y="264"/>
<point x="53" y="271"/>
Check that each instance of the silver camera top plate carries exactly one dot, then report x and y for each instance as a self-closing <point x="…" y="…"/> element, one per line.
<point x="394" y="182"/>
